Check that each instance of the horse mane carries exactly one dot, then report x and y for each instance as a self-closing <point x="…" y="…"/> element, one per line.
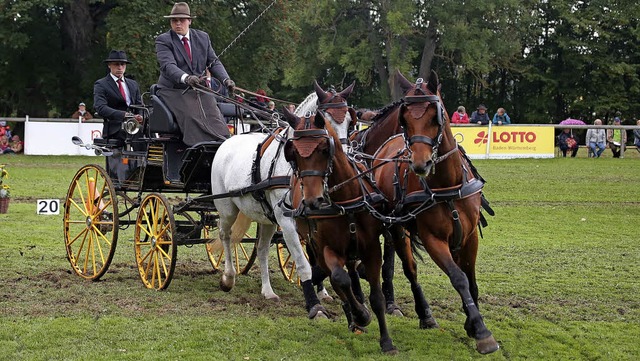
<point x="386" y="110"/>
<point x="309" y="104"/>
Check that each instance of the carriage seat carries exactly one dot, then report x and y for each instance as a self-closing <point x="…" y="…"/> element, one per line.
<point x="161" y="120"/>
<point x="229" y="111"/>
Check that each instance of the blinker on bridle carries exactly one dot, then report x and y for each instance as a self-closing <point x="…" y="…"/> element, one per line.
<point x="314" y="133"/>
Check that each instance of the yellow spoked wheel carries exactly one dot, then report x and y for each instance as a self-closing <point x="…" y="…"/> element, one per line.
<point x="287" y="265"/>
<point x="153" y="242"/>
<point x="90" y="222"/>
<point x="244" y="252"/>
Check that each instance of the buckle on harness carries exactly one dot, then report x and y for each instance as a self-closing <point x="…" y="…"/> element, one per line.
<point x="455" y="215"/>
<point x="352" y="228"/>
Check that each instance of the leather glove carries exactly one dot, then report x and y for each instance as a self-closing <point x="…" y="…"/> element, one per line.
<point x="231" y="85"/>
<point x="192" y="80"/>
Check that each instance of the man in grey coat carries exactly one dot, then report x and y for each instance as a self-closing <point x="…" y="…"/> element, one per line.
<point x="184" y="55"/>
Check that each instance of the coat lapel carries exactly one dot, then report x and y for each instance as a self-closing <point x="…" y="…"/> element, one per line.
<point x="178" y="44"/>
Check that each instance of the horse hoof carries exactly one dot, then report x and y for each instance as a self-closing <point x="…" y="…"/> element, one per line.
<point x="394" y="310"/>
<point x="363" y="320"/>
<point x="487" y="345"/>
<point x="358" y="330"/>
<point x="324" y="296"/>
<point x="394" y="351"/>
<point x="429" y="322"/>
<point x="318" y="312"/>
<point x="225" y="284"/>
<point x="273" y="297"/>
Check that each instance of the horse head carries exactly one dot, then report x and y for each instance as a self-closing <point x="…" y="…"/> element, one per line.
<point x="335" y="109"/>
<point x="310" y="152"/>
<point x="422" y="118"/>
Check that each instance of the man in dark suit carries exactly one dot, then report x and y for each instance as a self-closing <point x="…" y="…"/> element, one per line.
<point x="184" y="55"/>
<point x="113" y="94"/>
<point x="111" y="97"/>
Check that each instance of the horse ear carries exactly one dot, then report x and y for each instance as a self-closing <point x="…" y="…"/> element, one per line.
<point x="291" y="118"/>
<point x="347" y="91"/>
<point x="401" y="115"/>
<point x="354" y="118"/>
<point x="319" y="121"/>
<point x="434" y="83"/>
<point x="405" y="85"/>
<point x="322" y="95"/>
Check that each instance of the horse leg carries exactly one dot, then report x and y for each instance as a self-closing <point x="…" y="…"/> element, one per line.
<point x="474" y="325"/>
<point x="264" y="241"/>
<point x="356" y="287"/>
<point x="228" y="279"/>
<point x="410" y="268"/>
<point x="388" y="269"/>
<point x="341" y="283"/>
<point x="291" y="238"/>
<point x="373" y="264"/>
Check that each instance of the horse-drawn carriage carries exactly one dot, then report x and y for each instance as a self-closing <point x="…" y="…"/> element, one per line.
<point x="426" y="187"/>
<point x="133" y="189"/>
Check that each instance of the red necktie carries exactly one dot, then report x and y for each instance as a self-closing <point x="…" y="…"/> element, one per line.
<point x="185" y="41"/>
<point x="124" y="95"/>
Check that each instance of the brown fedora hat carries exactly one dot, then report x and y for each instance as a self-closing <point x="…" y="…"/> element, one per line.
<point x="180" y="10"/>
<point x="117" y="56"/>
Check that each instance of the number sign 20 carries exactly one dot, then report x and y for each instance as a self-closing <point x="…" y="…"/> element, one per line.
<point x="48" y="206"/>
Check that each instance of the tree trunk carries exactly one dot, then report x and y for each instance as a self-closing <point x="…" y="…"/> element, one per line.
<point x="428" y="51"/>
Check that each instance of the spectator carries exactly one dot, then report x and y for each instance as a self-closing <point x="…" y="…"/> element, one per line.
<point x="568" y="141"/>
<point x="501" y="117"/>
<point x="5" y="147"/>
<point x="81" y="113"/>
<point x="261" y="99"/>
<point x="292" y="108"/>
<point x="616" y="138"/>
<point x="460" y="116"/>
<point x="16" y="144"/>
<point x="596" y="139"/>
<point x="5" y="129"/>
<point x="636" y="136"/>
<point x="271" y="106"/>
<point x="480" y="116"/>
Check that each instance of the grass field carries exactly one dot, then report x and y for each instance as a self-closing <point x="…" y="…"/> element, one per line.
<point x="558" y="273"/>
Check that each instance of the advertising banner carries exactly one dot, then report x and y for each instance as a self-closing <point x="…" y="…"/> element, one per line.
<point x="514" y="141"/>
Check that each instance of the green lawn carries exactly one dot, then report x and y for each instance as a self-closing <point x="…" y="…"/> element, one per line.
<point x="558" y="273"/>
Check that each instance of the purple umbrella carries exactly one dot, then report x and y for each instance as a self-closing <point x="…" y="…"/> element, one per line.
<point x="570" y="121"/>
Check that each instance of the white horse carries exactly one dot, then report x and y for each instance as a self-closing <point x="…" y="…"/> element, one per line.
<point x="231" y="171"/>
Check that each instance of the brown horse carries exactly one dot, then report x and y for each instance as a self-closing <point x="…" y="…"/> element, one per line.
<point x="339" y="227"/>
<point x="436" y="195"/>
<point x="385" y="124"/>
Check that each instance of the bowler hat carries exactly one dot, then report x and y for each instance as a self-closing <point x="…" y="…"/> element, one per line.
<point x="117" y="56"/>
<point x="180" y="10"/>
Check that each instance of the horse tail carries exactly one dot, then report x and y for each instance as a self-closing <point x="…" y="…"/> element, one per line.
<point x="240" y="227"/>
<point x="415" y="243"/>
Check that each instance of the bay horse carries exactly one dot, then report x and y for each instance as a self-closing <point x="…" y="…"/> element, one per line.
<point x="385" y="125"/>
<point x="254" y="159"/>
<point x="339" y="227"/>
<point x="436" y="194"/>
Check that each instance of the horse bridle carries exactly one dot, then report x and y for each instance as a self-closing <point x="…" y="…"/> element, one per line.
<point x="313" y="133"/>
<point x="322" y="107"/>
<point x="420" y="96"/>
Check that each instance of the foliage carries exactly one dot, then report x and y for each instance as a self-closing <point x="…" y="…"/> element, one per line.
<point x="542" y="60"/>
<point x="4" y="188"/>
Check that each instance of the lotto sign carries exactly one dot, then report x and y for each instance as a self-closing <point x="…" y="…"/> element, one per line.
<point x="506" y="141"/>
<point x="48" y="207"/>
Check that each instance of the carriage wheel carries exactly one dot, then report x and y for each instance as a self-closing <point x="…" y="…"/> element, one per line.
<point x="153" y="242"/>
<point x="245" y="251"/>
<point x="287" y="265"/>
<point x="90" y="222"/>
